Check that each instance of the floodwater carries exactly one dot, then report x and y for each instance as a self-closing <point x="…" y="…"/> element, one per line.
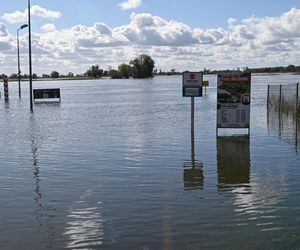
<point x="113" y="167"/>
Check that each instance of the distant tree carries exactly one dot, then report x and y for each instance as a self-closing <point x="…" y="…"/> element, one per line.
<point x="142" y="66"/>
<point x="70" y="74"/>
<point x="45" y="76"/>
<point x="125" y="70"/>
<point x="114" y="74"/>
<point x="34" y="76"/>
<point x="291" y="68"/>
<point x="95" y="72"/>
<point x="54" y="74"/>
<point x="105" y="73"/>
<point x="13" y="76"/>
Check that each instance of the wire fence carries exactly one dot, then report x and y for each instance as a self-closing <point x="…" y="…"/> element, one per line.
<point x="283" y="105"/>
<point x="284" y="98"/>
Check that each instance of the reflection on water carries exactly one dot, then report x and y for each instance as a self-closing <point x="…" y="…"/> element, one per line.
<point x="84" y="226"/>
<point x="193" y="175"/>
<point x="193" y="170"/>
<point x="233" y="156"/>
<point x="107" y="172"/>
<point x="34" y="140"/>
<point x="285" y="125"/>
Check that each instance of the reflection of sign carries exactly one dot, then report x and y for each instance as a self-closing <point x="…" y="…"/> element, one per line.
<point x="233" y="108"/>
<point x="233" y="156"/>
<point x="192" y="84"/>
<point x="193" y="175"/>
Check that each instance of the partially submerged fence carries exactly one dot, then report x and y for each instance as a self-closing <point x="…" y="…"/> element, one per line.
<point x="283" y="104"/>
<point x="284" y="98"/>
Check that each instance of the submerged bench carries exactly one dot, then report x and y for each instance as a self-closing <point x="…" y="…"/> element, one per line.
<point x="46" y="95"/>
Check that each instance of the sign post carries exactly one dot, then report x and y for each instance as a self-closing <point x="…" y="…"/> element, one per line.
<point x="192" y="87"/>
<point x="233" y="104"/>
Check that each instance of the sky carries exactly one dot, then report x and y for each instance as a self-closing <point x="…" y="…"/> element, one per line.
<point x="70" y="36"/>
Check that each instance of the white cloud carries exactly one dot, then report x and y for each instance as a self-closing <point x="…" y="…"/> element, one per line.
<point x="130" y="4"/>
<point x="3" y="30"/>
<point x="251" y="42"/>
<point x="6" y="40"/>
<point x="20" y="17"/>
<point x="48" y="27"/>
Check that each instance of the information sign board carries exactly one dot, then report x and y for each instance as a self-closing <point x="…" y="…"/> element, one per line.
<point x="233" y="101"/>
<point x="192" y="84"/>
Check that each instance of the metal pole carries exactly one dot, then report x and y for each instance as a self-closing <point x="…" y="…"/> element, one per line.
<point x="30" y="64"/>
<point x="19" y="72"/>
<point x="193" y="130"/>
<point x="192" y="116"/>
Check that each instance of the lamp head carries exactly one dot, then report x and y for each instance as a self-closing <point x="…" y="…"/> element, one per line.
<point x="24" y="26"/>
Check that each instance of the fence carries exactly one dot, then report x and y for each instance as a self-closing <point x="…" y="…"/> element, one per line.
<point x="284" y="98"/>
<point x="283" y="115"/>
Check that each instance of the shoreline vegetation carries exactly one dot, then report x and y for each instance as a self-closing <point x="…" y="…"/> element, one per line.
<point x="143" y="67"/>
<point x="78" y="78"/>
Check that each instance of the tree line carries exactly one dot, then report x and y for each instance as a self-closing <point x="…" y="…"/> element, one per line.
<point x="143" y="67"/>
<point x="140" y="67"/>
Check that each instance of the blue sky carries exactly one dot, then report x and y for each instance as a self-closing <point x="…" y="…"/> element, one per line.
<point x="187" y="34"/>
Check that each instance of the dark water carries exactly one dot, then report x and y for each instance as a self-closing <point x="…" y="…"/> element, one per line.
<point x="113" y="167"/>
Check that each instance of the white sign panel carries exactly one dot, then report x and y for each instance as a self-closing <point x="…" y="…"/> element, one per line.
<point x="233" y="107"/>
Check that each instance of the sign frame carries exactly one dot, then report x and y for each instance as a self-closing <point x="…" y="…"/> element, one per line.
<point x="233" y="100"/>
<point x="192" y="84"/>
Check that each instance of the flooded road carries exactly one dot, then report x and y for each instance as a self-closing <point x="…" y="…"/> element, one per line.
<point x="113" y="167"/>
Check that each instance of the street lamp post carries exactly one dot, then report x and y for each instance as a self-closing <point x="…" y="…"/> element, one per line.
<point x="19" y="71"/>
<point x="30" y="64"/>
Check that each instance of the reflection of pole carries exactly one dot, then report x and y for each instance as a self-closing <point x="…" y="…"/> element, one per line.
<point x="280" y="97"/>
<point x="268" y="97"/>
<point x="296" y="135"/>
<point x="297" y="98"/>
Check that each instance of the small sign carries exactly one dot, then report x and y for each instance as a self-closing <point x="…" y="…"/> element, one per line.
<point x="192" y="84"/>
<point x="46" y="94"/>
<point x="205" y="83"/>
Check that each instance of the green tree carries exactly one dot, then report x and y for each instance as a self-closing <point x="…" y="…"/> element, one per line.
<point x="125" y="70"/>
<point x="54" y="74"/>
<point x="142" y="66"/>
<point x="95" y="72"/>
<point x="13" y="76"/>
<point x="114" y="74"/>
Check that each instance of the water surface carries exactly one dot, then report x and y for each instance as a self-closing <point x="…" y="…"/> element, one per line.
<point x="113" y="167"/>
